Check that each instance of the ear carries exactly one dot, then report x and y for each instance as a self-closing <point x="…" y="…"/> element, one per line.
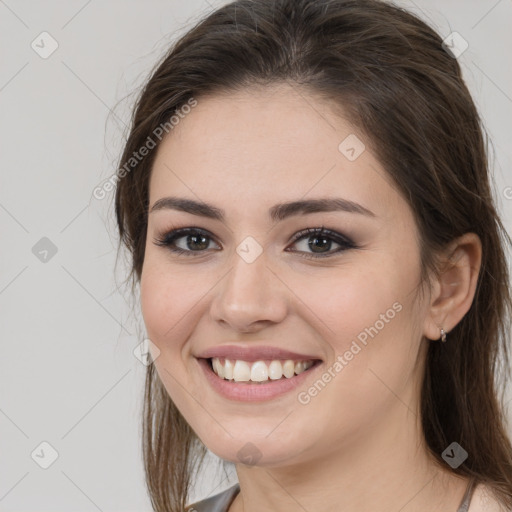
<point x="453" y="291"/>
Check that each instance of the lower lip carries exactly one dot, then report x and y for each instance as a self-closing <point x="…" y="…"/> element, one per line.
<point x="254" y="392"/>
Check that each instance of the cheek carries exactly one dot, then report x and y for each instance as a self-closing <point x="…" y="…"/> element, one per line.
<point x="347" y="303"/>
<point x="369" y="318"/>
<point x="167" y="309"/>
<point x="168" y="298"/>
<point x="156" y="296"/>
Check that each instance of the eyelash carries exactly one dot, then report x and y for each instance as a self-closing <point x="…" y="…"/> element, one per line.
<point x="167" y="240"/>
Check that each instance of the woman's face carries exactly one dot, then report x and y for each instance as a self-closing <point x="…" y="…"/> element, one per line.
<point x="246" y="283"/>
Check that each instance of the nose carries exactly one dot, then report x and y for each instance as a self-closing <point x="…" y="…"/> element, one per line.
<point x="250" y="297"/>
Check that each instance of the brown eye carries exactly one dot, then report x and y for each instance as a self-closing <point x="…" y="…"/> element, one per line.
<point x="319" y="241"/>
<point x="195" y="241"/>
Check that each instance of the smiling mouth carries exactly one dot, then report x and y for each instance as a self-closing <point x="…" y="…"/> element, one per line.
<point x="259" y="372"/>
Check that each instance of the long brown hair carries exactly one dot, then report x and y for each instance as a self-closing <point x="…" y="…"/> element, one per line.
<point x="390" y="73"/>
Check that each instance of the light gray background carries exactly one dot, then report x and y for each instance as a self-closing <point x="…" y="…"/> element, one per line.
<point x="68" y="375"/>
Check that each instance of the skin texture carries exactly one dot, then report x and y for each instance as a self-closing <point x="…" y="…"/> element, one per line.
<point x="358" y="442"/>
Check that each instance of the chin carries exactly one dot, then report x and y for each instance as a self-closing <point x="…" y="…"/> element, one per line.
<point x="256" y="450"/>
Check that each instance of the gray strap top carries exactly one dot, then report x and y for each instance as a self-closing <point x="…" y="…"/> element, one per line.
<point x="222" y="501"/>
<point x="466" y="499"/>
<point x="218" y="503"/>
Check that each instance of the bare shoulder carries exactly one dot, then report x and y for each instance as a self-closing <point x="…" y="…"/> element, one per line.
<point x="484" y="500"/>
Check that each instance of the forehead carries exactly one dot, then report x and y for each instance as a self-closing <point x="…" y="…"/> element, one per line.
<point x="260" y="146"/>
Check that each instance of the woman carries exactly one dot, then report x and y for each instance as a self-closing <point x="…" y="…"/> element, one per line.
<point x="322" y="268"/>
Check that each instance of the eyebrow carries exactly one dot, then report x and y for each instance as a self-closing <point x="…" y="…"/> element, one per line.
<point x="277" y="213"/>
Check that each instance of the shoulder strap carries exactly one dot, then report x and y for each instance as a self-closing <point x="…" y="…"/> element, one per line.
<point x="466" y="499"/>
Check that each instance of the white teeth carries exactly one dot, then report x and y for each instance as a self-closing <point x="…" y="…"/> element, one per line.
<point x="275" y="370"/>
<point x="228" y="369"/>
<point x="299" y="367"/>
<point x="288" y="369"/>
<point x="219" y="369"/>
<point x="259" y="371"/>
<point x="242" y="371"/>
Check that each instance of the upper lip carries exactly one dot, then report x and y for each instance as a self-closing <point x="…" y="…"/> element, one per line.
<point x="252" y="354"/>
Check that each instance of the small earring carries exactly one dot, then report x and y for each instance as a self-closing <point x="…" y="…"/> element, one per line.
<point x="443" y="335"/>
